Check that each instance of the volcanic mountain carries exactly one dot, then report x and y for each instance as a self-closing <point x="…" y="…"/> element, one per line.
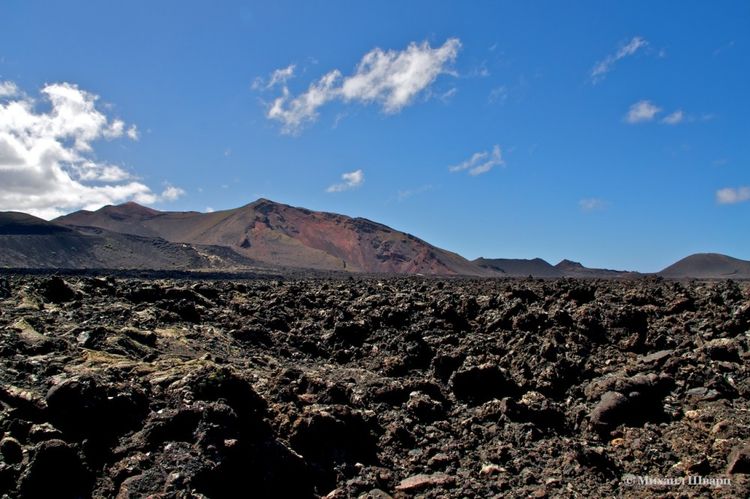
<point x="575" y="269"/>
<point x="708" y="266"/>
<point x="30" y="242"/>
<point x="282" y="235"/>
<point x="536" y="267"/>
<point x="516" y="267"/>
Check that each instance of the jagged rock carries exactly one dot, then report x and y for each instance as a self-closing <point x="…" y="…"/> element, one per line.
<point x="611" y="410"/>
<point x="422" y="481"/>
<point x="11" y="450"/>
<point x="298" y="387"/>
<point x="739" y="461"/>
<point x="44" y="431"/>
<point x="55" y="470"/>
<point x="723" y="349"/>
<point x="56" y="290"/>
<point x="476" y="384"/>
<point x="424" y="407"/>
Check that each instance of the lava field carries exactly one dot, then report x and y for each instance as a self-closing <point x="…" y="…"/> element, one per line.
<point x="373" y="387"/>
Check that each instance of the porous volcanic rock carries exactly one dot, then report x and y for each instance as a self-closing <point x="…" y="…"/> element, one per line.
<point x="371" y="387"/>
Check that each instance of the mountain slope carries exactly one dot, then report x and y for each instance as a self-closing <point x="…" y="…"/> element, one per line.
<point x="30" y="242"/>
<point x="279" y="234"/>
<point x="708" y="266"/>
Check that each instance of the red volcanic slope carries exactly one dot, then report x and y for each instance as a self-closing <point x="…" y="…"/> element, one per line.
<point x="283" y="235"/>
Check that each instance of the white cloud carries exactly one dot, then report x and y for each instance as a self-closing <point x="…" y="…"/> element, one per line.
<point x="407" y="193"/>
<point x="8" y="89"/>
<point x="209" y="209"/>
<point x="47" y="162"/>
<point x="390" y="78"/>
<point x="280" y="76"/>
<point x="592" y="204"/>
<point x="296" y="112"/>
<point x="172" y="193"/>
<point x="733" y="195"/>
<point x="480" y="162"/>
<point x="674" y="118"/>
<point x="133" y="133"/>
<point x="642" y="111"/>
<point x="448" y="95"/>
<point x="351" y="180"/>
<point x="498" y="95"/>
<point x="606" y="65"/>
<point x="277" y="77"/>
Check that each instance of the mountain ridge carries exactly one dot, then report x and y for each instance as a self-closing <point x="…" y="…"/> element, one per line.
<point x="268" y="234"/>
<point x="283" y="235"/>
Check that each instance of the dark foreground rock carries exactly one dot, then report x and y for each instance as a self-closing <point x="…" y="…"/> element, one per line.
<point x="372" y="388"/>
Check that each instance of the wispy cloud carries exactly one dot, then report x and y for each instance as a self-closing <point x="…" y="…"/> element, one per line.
<point x="642" y="111"/>
<point x="48" y="165"/>
<point x="733" y="195"/>
<point x="723" y="48"/>
<point x="350" y="180"/>
<point x="448" y="94"/>
<point x="390" y="78"/>
<point x="601" y="68"/>
<point x="498" y="95"/>
<point x="674" y="118"/>
<point x="592" y="204"/>
<point x="480" y="162"/>
<point x="407" y="193"/>
<point x="277" y="77"/>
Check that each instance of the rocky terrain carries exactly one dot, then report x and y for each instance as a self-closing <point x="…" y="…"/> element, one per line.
<point x="376" y="387"/>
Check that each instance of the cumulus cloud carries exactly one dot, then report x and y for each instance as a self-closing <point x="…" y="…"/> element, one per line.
<point x="480" y="162"/>
<point x="133" y="133"/>
<point x="350" y="180"/>
<point x="390" y="78"/>
<point x="674" y="118"/>
<point x="47" y="161"/>
<point x="733" y="195"/>
<point x="601" y="68"/>
<point x="591" y="204"/>
<point x="293" y="113"/>
<point x="172" y="193"/>
<point x="642" y="111"/>
<point x="8" y="89"/>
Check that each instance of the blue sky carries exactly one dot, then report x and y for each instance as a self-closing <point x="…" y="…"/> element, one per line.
<point x="612" y="133"/>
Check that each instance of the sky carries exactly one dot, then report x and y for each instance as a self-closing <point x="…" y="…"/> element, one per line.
<point x="611" y="133"/>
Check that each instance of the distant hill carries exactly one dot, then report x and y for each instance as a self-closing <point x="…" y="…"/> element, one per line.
<point x="30" y="242"/>
<point x="13" y="223"/>
<point x="708" y="266"/>
<point x="512" y="267"/>
<point x="537" y="267"/>
<point x="575" y="269"/>
<point x="282" y="235"/>
<point x="266" y="235"/>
